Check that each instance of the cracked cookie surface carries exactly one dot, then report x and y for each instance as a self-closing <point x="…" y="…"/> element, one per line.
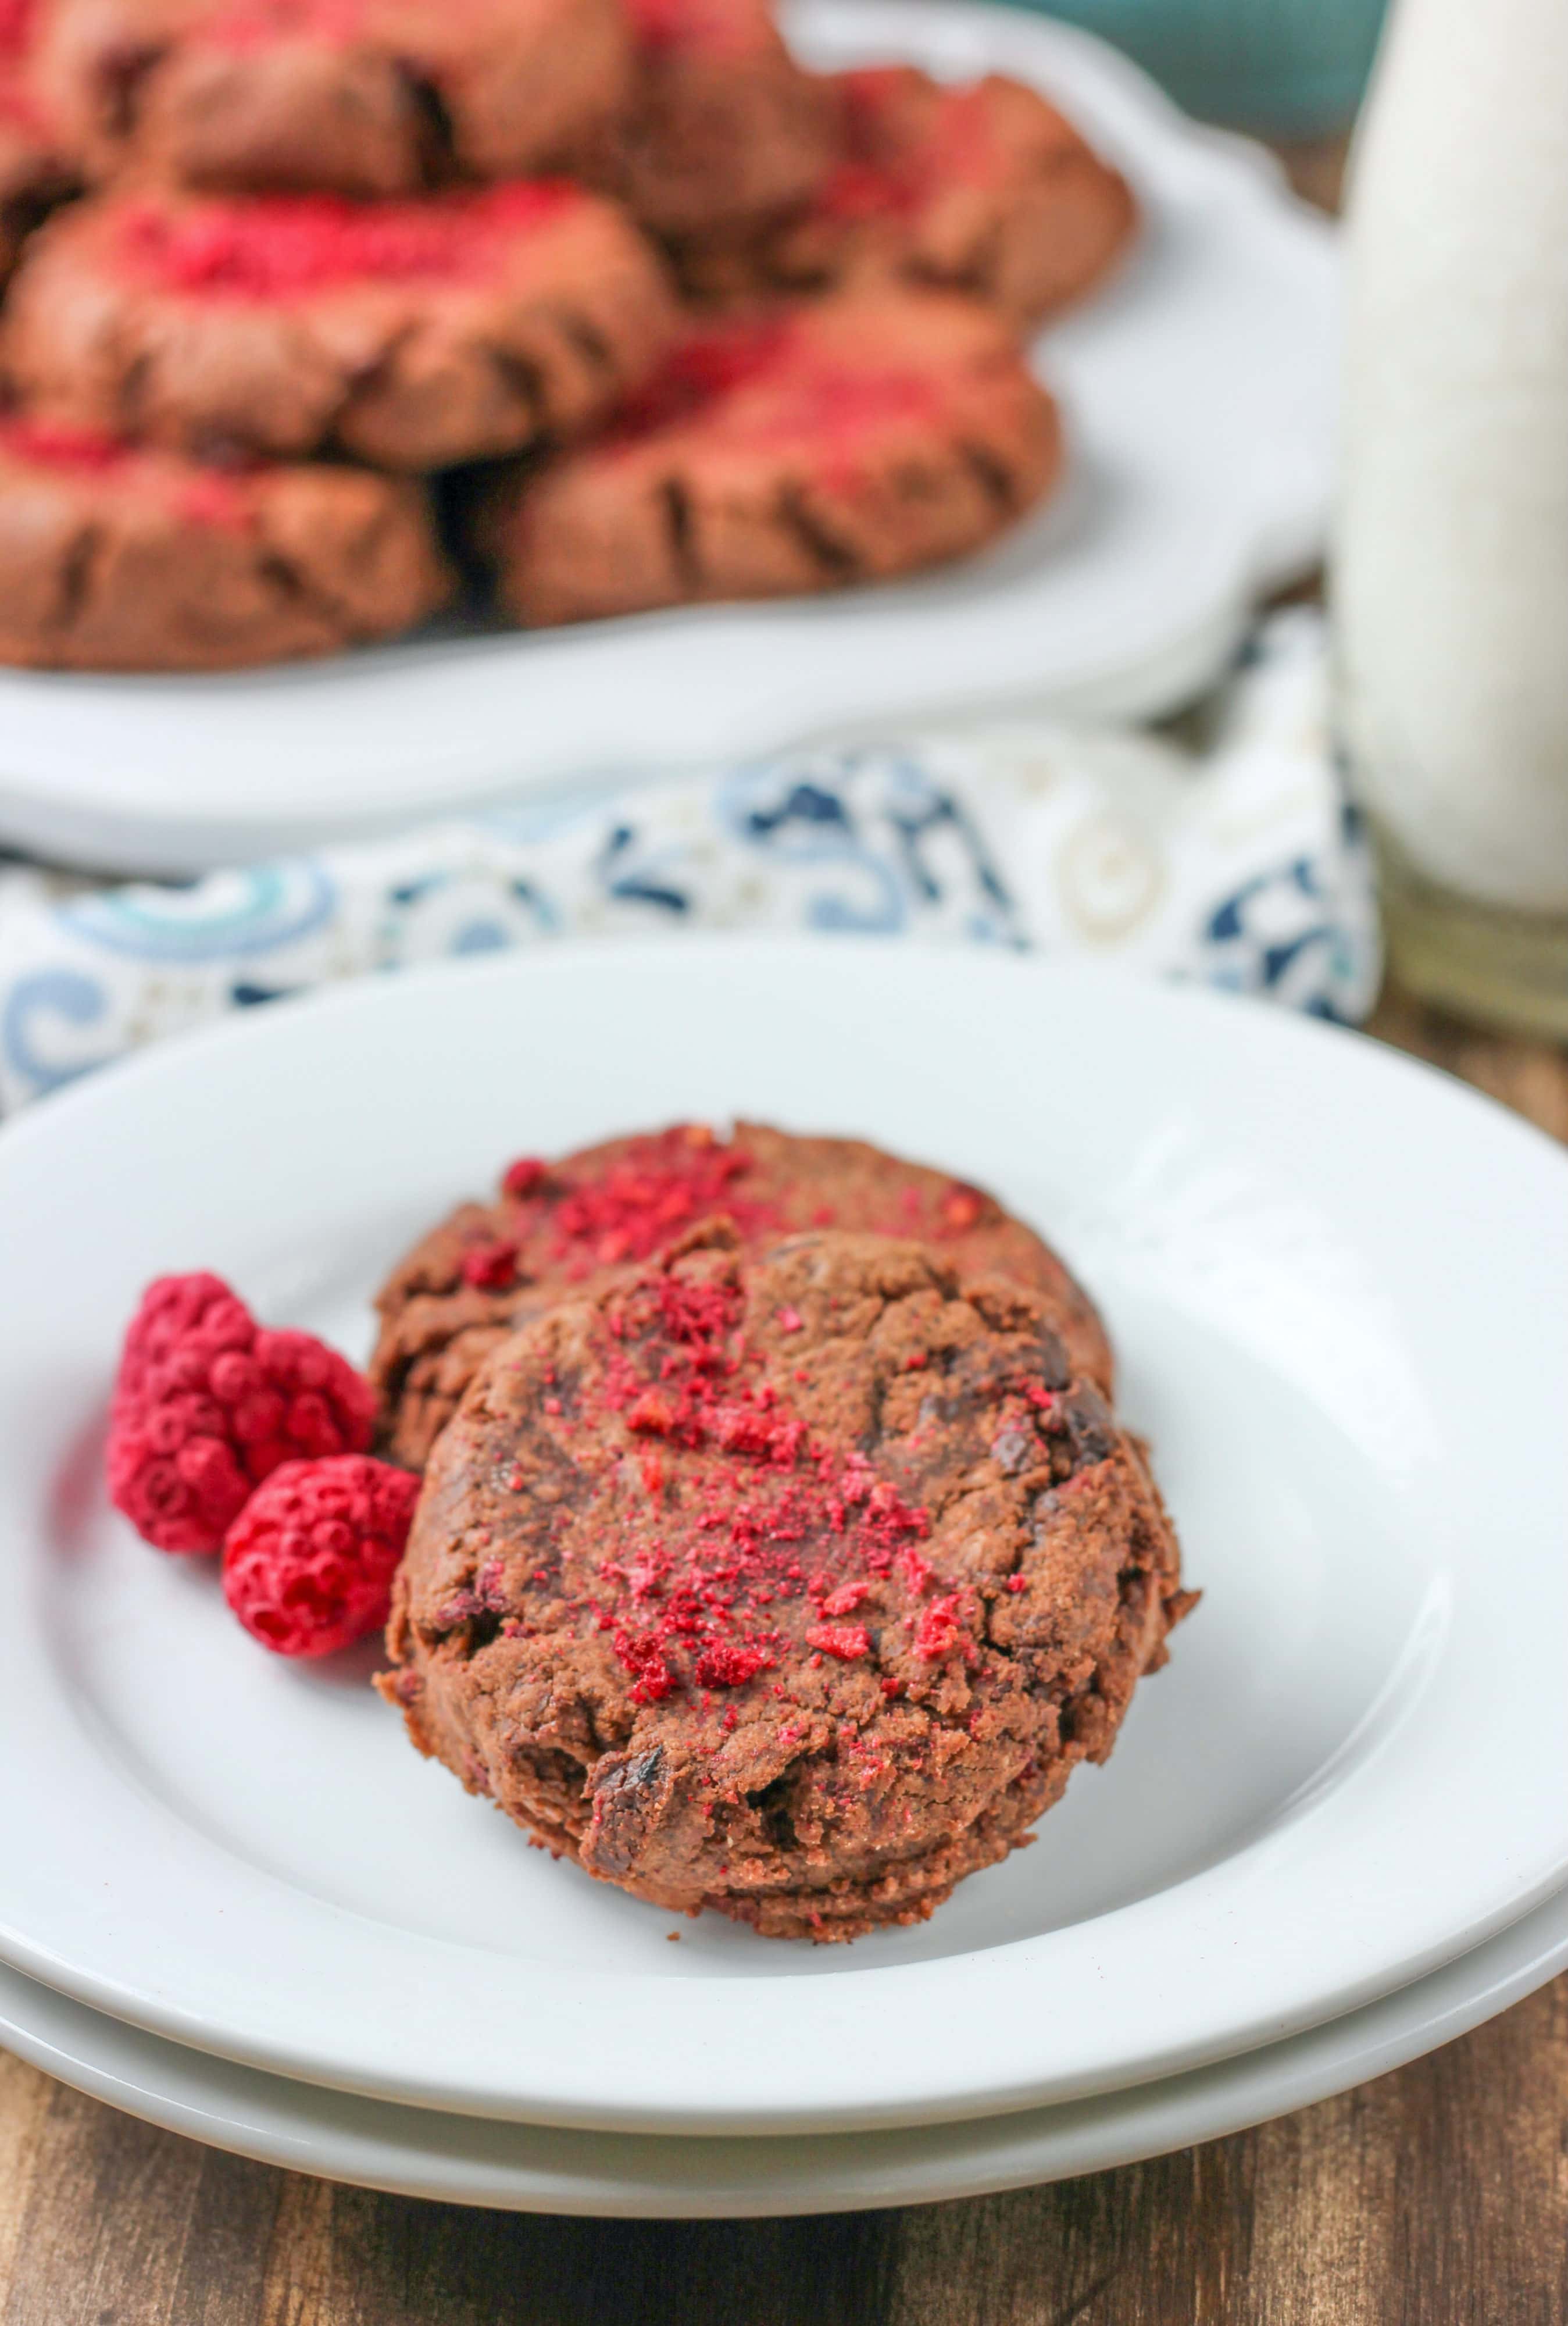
<point x="790" y="451"/>
<point x="722" y="127"/>
<point x="794" y="1587"/>
<point x="984" y="189"/>
<point x="112" y="558"/>
<point x="407" y="334"/>
<point x="361" y="97"/>
<point x="557" y="1228"/>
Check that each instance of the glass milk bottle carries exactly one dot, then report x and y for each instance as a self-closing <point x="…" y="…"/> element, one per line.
<point x="1450" y="579"/>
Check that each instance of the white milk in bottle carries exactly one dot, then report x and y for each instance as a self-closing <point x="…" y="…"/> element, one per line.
<point x="1450" y="584"/>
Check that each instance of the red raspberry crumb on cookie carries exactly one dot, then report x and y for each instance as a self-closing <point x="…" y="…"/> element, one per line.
<point x="207" y="1403"/>
<point x="848" y="1641"/>
<point x="525" y="1177"/>
<point x="490" y="1266"/>
<point x="308" y="1564"/>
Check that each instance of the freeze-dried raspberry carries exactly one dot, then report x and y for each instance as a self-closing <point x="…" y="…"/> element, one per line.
<point x="308" y="1562"/>
<point x="207" y="1403"/>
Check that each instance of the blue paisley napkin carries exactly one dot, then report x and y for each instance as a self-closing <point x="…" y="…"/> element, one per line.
<point x="1231" y="861"/>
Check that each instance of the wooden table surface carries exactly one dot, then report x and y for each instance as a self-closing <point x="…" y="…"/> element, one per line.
<point x="1437" y="2196"/>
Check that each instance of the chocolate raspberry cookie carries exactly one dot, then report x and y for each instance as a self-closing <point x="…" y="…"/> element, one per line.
<point x="557" y="1228"/>
<point x="409" y="334"/>
<point x="116" y="559"/>
<point x="804" y="450"/>
<point x="986" y="189"/>
<point x="723" y="127"/>
<point x="795" y="1587"/>
<point x="358" y="97"/>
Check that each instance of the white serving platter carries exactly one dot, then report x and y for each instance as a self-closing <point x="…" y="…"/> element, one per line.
<point x="1199" y="393"/>
<point x="1337" y="1280"/>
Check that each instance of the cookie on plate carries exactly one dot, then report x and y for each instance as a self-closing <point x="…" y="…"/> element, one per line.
<point x="358" y="97"/>
<point x="800" y="450"/>
<point x="555" y="1228"/>
<point x="723" y="128"/>
<point x="409" y="334"/>
<point x="985" y="189"/>
<point x="113" y="558"/>
<point x="795" y="1587"/>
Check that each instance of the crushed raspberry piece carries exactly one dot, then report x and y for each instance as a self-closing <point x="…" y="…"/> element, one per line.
<point x="914" y="1570"/>
<point x="697" y="1601"/>
<point x="940" y="1630"/>
<point x="789" y="1320"/>
<point x="658" y="1187"/>
<point x="848" y="1641"/>
<point x="492" y="1266"/>
<point x="207" y="1403"/>
<point x="962" y="1208"/>
<point x="525" y="1176"/>
<point x="275" y="246"/>
<point x="1016" y="1583"/>
<point x="1042" y="1400"/>
<point x="729" y="1663"/>
<point x="55" y="444"/>
<point x="308" y="1564"/>
<point x="653" y="1679"/>
<point x="15" y="26"/>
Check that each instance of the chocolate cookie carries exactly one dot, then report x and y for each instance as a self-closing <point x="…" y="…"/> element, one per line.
<point x="358" y="97"/>
<point x="116" y="559"/>
<point x="845" y="442"/>
<point x="723" y="127"/>
<point x="557" y="1228"/>
<point x="987" y="190"/>
<point x="795" y="1587"/>
<point x="409" y="334"/>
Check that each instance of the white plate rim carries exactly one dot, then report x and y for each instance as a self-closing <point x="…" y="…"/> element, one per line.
<point x="681" y="2074"/>
<point x="132" y="774"/>
<point x="527" y="2168"/>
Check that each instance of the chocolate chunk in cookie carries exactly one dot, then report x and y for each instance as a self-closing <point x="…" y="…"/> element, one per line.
<point x="408" y="334"/>
<point x="557" y="1228"/>
<point x="791" y="452"/>
<point x="116" y="559"/>
<point x="795" y="1587"/>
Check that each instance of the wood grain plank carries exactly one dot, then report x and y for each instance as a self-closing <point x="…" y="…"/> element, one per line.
<point x="126" y="2226"/>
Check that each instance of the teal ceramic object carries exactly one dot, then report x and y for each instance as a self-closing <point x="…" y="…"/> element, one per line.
<point x="1295" y="67"/>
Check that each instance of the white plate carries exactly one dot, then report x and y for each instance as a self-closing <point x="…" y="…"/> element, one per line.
<point x="472" y="2161"/>
<point x="1339" y="1283"/>
<point x="1198" y="392"/>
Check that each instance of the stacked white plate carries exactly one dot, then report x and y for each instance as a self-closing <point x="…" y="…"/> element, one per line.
<point x="1333" y="1832"/>
<point x="1198" y="396"/>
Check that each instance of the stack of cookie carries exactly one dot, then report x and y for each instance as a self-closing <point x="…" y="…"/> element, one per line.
<point x="695" y="323"/>
<point x="779" y="1551"/>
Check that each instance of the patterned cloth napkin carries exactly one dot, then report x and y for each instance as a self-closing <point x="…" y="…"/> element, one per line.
<point x="1230" y="859"/>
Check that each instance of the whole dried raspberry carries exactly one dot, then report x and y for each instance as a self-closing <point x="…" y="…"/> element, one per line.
<point x="308" y="1564"/>
<point x="207" y="1403"/>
